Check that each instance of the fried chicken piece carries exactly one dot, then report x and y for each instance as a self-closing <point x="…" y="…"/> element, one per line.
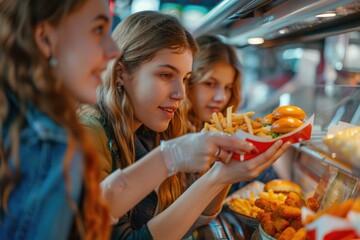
<point x="288" y="212"/>
<point x="265" y="204"/>
<point x="263" y="216"/>
<point x="280" y="224"/>
<point x="296" y="223"/>
<point x="269" y="227"/>
<point x="300" y="234"/>
<point x="312" y="203"/>
<point x="287" y="234"/>
<point x="294" y="200"/>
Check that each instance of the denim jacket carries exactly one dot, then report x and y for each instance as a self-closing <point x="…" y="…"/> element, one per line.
<point x="38" y="207"/>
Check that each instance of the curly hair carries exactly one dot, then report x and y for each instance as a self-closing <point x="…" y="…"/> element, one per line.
<point x="139" y="37"/>
<point x="212" y="51"/>
<point x="27" y="75"/>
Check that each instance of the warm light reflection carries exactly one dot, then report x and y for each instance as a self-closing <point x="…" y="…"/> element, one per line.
<point x="326" y="15"/>
<point x="255" y="41"/>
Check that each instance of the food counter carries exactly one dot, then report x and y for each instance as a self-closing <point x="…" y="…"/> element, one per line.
<point x="311" y="164"/>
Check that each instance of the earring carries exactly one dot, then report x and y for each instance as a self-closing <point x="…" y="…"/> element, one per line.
<point x="53" y="62"/>
<point x="119" y="87"/>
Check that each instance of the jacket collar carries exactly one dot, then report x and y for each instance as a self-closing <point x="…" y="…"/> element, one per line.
<point x="43" y="126"/>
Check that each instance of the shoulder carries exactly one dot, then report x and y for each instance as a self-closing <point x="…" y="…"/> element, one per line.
<point x="91" y="117"/>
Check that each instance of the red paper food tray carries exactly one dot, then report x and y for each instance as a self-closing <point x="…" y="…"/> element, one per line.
<point x="301" y="134"/>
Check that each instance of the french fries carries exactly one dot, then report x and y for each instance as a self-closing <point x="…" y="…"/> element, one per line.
<point x="247" y="206"/>
<point x="236" y="121"/>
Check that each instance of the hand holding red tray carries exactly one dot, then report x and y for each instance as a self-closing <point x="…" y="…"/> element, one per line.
<point x="302" y="133"/>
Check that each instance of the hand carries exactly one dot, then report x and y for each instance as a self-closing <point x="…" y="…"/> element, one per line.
<point x="236" y="171"/>
<point x="197" y="151"/>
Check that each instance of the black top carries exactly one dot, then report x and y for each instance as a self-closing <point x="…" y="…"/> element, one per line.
<point x="133" y="224"/>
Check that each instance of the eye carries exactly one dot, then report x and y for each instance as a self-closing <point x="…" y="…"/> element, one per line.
<point x="210" y="84"/>
<point x="166" y="75"/>
<point x="229" y="88"/>
<point x="100" y="29"/>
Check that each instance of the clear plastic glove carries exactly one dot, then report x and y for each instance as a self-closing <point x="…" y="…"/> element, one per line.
<point x="195" y="152"/>
<point x="236" y="171"/>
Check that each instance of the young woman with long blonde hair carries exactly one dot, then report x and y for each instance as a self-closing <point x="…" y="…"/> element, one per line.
<point x="140" y="103"/>
<point x="52" y="54"/>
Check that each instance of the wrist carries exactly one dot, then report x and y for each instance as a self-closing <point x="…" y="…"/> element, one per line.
<point x="213" y="176"/>
<point x="169" y="153"/>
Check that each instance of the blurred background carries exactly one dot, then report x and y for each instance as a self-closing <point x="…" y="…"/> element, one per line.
<point x="296" y="54"/>
<point x="187" y="11"/>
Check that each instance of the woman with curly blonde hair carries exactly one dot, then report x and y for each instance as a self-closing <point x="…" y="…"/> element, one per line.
<point x="139" y="108"/>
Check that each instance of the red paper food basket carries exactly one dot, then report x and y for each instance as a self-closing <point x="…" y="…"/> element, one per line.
<point x="301" y="134"/>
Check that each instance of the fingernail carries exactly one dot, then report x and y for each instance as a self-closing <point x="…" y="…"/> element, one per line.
<point x="278" y="143"/>
<point x="254" y="151"/>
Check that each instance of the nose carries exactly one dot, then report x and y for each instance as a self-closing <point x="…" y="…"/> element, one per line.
<point x="178" y="92"/>
<point x="220" y="94"/>
<point x="111" y="50"/>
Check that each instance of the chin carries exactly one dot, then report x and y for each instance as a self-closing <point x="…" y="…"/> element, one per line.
<point x="160" y="127"/>
<point x="89" y="99"/>
<point x="163" y="128"/>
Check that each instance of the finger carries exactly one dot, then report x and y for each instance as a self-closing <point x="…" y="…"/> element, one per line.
<point x="280" y="151"/>
<point x="225" y="156"/>
<point x="267" y="156"/>
<point x="233" y="144"/>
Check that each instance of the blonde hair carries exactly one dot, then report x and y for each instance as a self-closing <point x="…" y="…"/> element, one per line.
<point x="212" y="51"/>
<point x="27" y="75"/>
<point x="139" y="37"/>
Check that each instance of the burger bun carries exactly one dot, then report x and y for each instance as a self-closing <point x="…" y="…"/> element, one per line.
<point x="282" y="186"/>
<point x="285" y="125"/>
<point x="268" y="119"/>
<point x="289" y="111"/>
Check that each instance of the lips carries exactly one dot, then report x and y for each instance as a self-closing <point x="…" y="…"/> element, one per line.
<point x="168" y="109"/>
<point x="214" y="109"/>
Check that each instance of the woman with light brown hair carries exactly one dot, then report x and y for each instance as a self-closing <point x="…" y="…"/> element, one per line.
<point x="139" y="108"/>
<point x="52" y="54"/>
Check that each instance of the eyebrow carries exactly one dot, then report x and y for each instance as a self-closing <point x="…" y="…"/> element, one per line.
<point x="173" y="68"/>
<point x="102" y="17"/>
<point x="217" y="80"/>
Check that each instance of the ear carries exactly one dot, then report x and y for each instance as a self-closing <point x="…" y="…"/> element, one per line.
<point x="119" y="71"/>
<point x="42" y="38"/>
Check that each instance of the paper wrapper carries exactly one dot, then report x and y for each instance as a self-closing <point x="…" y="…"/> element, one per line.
<point x="343" y="142"/>
<point x="329" y="227"/>
<point x="301" y="134"/>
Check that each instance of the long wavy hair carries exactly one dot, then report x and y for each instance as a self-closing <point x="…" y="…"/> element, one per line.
<point x="25" y="73"/>
<point x="212" y="51"/>
<point x="139" y="37"/>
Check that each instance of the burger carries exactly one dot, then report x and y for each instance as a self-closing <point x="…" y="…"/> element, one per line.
<point x="285" y="125"/>
<point x="283" y="186"/>
<point x="289" y="111"/>
<point x="283" y="120"/>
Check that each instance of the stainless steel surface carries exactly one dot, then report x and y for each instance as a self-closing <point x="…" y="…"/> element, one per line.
<point x="227" y="9"/>
<point x="240" y="20"/>
<point x="319" y="152"/>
